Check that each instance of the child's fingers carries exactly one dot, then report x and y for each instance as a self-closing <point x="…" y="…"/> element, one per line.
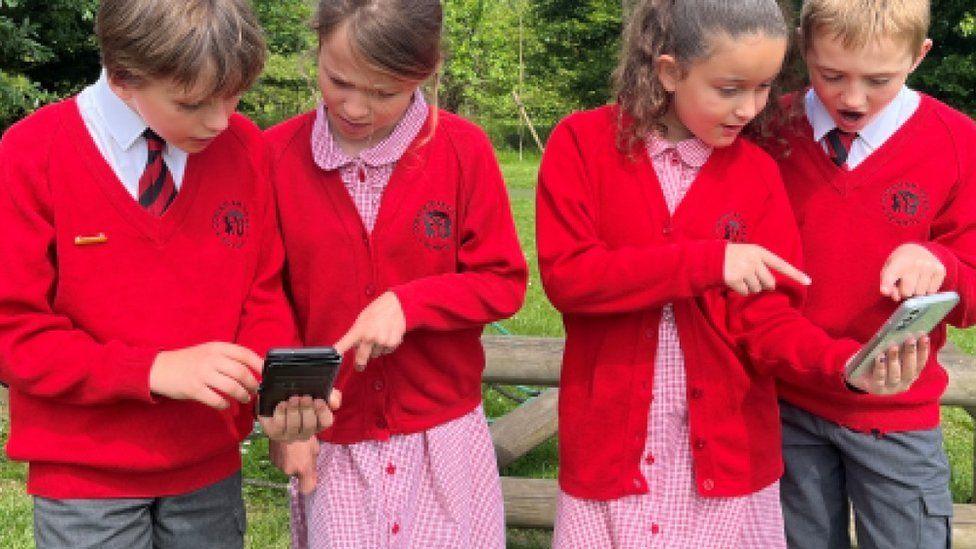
<point x="766" y="277"/>
<point x="239" y="373"/>
<point x="363" y="351"/>
<point x="293" y="421"/>
<point x="310" y="423"/>
<point x="924" y="348"/>
<point x="307" y="478"/>
<point x="323" y="415"/>
<point x="752" y="283"/>
<point x="335" y="399"/>
<point x="244" y="356"/>
<point x="229" y="386"/>
<point x="908" y="284"/>
<point x="347" y="340"/>
<point x="890" y="274"/>
<point x="780" y="265"/>
<point x="898" y="359"/>
<point x="206" y="395"/>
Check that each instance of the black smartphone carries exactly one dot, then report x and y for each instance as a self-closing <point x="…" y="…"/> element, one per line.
<point x="297" y="371"/>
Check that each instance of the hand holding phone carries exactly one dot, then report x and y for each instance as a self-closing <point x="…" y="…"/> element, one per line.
<point x="296" y="399"/>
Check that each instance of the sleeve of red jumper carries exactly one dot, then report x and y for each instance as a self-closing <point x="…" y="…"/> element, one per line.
<point x="490" y="282"/>
<point x="267" y="320"/>
<point x="953" y="235"/>
<point x="41" y="352"/>
<point x="580" y="273"/>
<point x="769" y="325"/>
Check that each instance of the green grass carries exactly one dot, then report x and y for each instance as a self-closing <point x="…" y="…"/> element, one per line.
<point x="268" y="507"/>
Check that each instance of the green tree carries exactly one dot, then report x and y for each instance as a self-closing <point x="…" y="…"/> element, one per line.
<point x="47" y="50"/>
<point x="949" y="71"/>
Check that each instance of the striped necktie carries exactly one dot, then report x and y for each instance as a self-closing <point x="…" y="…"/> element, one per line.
<point x="839" y="143"/>
<point x="156" y="187"/>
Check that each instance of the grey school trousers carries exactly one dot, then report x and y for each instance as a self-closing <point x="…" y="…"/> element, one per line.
<point x="898" y="484"/>
<point x="211" y="517"/>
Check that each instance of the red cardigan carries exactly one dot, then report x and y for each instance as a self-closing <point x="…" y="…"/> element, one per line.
<point x="611" y="256"/>
<point x="444" y="242"/>
<point x="80" y="325"/>
<point x="920" y="186"/>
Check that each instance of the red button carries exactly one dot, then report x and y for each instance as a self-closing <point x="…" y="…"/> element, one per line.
<point x="390" y="469"/>
<point x="649" y="334"/>
<point x="649" y="459"/>
<point x="667" y="230"/>
<point x="655" y="529"/>
<point x="708" y="485"/>
<point x="697" y="393"/>
<point x="396" y="528"/>
<point x="700" y="444"/>
<point x="369" y="290"/>
<point x="378" y="385"/>
<point x="637" y="483"/>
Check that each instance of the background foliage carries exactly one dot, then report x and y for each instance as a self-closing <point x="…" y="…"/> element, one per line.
<point x="568" y="50"/>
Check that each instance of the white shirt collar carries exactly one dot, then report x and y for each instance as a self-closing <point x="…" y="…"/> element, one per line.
<point x="884" y="125"/>
<point x="123" y="124"/>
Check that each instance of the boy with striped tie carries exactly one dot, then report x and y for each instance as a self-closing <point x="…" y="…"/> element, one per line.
<point x="141" y="278"/>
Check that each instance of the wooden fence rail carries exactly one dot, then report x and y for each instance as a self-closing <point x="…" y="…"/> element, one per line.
<point x="531" y="503"/>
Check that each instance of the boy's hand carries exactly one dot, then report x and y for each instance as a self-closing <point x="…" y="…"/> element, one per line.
<point x="378" y="330"/>
<point x="896" y="369"/>
<point x="209" y="373"/>
<point x="297" y="459"/>
<point x="747" y="269"/>
<point x="911" y="270"/>
<point x="300" y="418"/>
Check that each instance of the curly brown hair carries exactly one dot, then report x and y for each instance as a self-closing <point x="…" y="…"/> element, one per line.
<point x="682" y="29"/>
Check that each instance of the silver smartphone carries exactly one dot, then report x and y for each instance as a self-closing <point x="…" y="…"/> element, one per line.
<point x="915" y="316"/>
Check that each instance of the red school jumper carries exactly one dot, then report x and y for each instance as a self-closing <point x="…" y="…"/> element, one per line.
<point x="611" y="256"/>
<point x="919" y="186"/>
<point x="444" y="242"/>
<point x="93" y="287"/>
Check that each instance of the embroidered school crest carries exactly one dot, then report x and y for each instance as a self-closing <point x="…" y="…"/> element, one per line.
<point x="905" y="204"/>
<point x="231" y="223"/>
<point x="434" y="225"/>
<point x="731" y="227"/>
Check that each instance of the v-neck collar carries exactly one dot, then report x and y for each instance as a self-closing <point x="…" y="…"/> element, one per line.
<point x="845" y="180"/>
<point x="159" y="229"/>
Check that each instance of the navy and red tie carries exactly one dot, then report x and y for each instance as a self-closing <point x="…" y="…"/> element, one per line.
<point x="839" y="143"/>
<point x="156" y="187"/>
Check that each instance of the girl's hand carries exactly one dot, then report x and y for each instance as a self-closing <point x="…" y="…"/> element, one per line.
<point x="911" y="270"/>
<point x="747" y="269"/>
<point x="297" y="459"/>
<point x="378" y="330"/>
<point x="897" y="369"/>
<point x="300" y="418"/>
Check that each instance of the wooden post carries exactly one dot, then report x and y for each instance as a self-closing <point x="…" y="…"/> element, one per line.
<point x="528" y="121"/>
<point x="519" y="431"/>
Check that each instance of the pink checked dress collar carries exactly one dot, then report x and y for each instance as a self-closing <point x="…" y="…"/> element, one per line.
<point x="329" y="156"/>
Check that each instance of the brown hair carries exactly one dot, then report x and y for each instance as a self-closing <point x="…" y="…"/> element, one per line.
<point x="681" y="29"/>
<point x="214" y="43"/>
<point x="856" y="23"/>
<point x="401" y="38"/>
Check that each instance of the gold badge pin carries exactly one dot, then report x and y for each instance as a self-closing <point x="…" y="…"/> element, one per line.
<point x="88" y="240"/>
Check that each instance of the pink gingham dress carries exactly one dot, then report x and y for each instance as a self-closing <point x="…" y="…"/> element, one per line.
<point x="672" y="515"/>
<point x="434" y="489"/>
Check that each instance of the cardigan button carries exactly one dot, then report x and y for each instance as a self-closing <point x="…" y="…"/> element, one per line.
<point x="637" y="483"/>
<point x="378" y="385"/>
<point x="708" y="485"/>
<point x="369" y="290"/>
<point x="697" y="393"/>
<point x="667" y="230"/>
<point x="649" y="333"/>
<point x="699" y="444"/>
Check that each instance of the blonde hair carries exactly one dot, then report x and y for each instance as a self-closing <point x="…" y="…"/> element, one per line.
<point x="683" y="30"/>
<point x="857" y="23"/>
<point x="217" y="44"/>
